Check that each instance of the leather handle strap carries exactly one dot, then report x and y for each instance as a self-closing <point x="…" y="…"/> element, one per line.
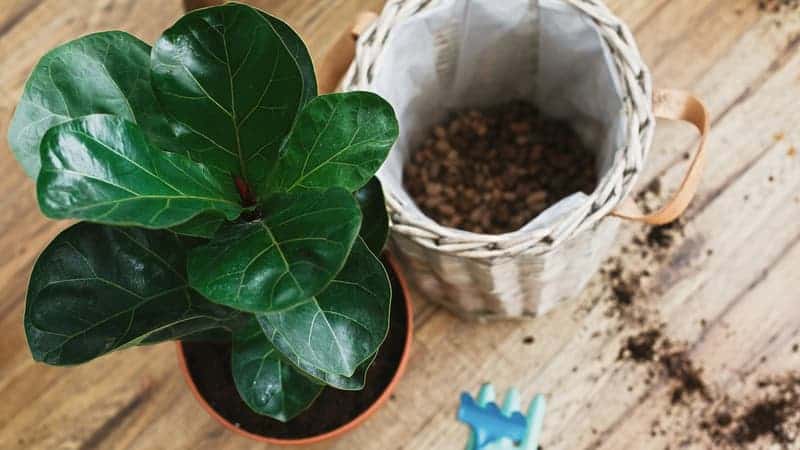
<point x="341" y="54"/>
<point x="674" y="105"/>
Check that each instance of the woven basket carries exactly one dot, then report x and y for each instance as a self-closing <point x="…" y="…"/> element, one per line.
<point x="523" y="274"/>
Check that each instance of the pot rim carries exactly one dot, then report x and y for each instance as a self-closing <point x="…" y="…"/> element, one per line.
<point x="336" y="432"/>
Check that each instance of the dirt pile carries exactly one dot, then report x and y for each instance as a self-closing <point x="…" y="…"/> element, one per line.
<point x="716" y="419"/>
<point x="492" y="171"/>
<point x="777" y="6"/>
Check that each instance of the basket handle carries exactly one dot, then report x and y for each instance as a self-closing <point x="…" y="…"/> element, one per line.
<point x="674" y="105"/>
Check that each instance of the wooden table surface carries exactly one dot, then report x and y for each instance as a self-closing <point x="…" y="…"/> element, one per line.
<point x="727" y="289"/>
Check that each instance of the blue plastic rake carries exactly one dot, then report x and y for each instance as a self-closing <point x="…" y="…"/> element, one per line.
<point x="496" y="428"/>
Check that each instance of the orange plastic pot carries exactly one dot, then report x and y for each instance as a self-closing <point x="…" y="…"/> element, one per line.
<point x="335" y="433"/>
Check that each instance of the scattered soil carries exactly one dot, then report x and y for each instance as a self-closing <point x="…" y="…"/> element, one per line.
<point x="650" y="346"/>
<point x="209" y="364"/>
<point x="771" y="416"/>
<point x="775" y="6"/>
<point x="652" y="245"/>
<point x="492" y="171"/>
<point x="623" y="286"/>
<point x="680" y="367"/>
<point x="662" y="236"/>
<point x="763" y="418"/>
<point x="711" y="417"/>
<point x="641" y="347"/>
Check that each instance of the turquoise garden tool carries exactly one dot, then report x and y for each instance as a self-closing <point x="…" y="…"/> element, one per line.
<point x="495" y="428"/>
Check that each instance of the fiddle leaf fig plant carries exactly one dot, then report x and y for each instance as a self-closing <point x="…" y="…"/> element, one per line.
<point x="217" y="194"/>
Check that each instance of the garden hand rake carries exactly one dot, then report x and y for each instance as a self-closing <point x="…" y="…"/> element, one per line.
<point x="495" y="428"/>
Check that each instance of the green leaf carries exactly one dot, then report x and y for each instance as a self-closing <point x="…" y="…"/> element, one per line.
<point x="102" y="73"/>
<point x="341" y="328"/>
<point x="197" y="329"/>
<point x="338" y="140"/>
<point x="295" y="45"/>
<point x="356" y="382"/>
<point x="235" y="81"/>
<point x="266" y="383"/>
<point x="210" y="335"/>
<point x="201" y="226"/>
<point x="101" y="168"/>
<point x="98" y="288"/>
<point x="291" y="254"/>
<point x="375" y="222"/>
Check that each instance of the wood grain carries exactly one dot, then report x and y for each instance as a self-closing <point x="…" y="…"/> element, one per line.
<point x="737" y="58"/>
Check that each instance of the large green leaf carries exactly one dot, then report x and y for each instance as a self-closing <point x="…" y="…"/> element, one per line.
<point x="275" y="262"/>
<point x="102" y="168"/>
<point x="338" y="140"/>
<point x="341" y="328"/>
<point x="355" y="382"/>
<point x="235" y="81"/>
<point x="266" y="383"/>
<point x="98" y="288"/>
<point x="375" y="222"/>
<point x="201" y="226"/>
<point x="103" y="73"/>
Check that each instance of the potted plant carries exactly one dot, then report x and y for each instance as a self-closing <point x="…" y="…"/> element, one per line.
<point x="223" y="203"/>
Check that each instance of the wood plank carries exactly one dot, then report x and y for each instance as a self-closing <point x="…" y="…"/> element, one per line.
<point x="727" y="51"/>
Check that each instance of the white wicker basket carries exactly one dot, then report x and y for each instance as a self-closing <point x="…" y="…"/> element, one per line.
<point x="526" y="273"/>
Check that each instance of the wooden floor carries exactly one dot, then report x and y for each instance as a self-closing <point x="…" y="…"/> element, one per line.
<point x="729" y="288"/>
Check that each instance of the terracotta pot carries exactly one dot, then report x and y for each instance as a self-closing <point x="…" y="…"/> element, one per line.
<point x="335" y="433"/>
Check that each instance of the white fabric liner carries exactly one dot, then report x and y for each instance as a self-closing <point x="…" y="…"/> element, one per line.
<point x="479" y="53"/>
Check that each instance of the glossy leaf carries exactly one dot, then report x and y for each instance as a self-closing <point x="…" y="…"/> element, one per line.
<point x="201" y="226"/>
<point x="297" y="48"/>
<point x="233" y="80"/>
<point x="352" y="383"/>
<point x="198" y="329"/>
<point x="341" y="328"/>
<point x="98" y="288"/>
<point x="220" y="334"/>
<point x="289" y="255"/>
<point x="339" y="140"/>
<point x="102" y="73"/>
<point x="375" y="223"/>
<point x="266" y="383"/>
<point x="102" y="168"/>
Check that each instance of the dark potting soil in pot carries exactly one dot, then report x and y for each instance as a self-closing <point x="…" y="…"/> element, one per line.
<point x="493" y="170"/>
<point x="209" y="363"/>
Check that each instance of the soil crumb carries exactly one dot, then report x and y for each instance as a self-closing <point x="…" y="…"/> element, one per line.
<point x="771" y="416"/>
<point x="641" y="347"/>
<point x="680" y="368"/>
<point x="623" y="286"/>
<point x="776" y="6"/>
<point x="662" y="236"/>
